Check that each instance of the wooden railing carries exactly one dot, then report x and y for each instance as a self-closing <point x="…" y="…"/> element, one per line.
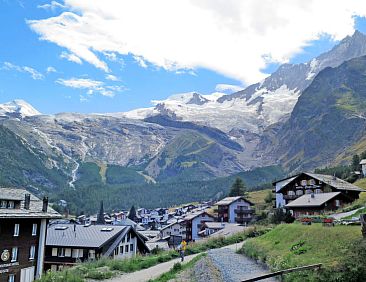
<point x="282" y="272"/>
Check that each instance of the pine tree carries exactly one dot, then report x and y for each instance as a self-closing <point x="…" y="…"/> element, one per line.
<point x="132" y="213"/>
<point x="238" y="188"/>
<point x="355" y="163"/>
<point x="100" y="218"/>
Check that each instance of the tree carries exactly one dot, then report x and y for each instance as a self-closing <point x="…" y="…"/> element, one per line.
<point x="238" y="188"/>
<point x="268" y="199"/>
<point x="132" y="213"/>
<point x="355" y="163"/>
<point x="100" y="218"/>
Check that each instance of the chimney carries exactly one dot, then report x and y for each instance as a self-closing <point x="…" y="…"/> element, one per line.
<point x="26" y="201"/>
<point x="45" y="204"/>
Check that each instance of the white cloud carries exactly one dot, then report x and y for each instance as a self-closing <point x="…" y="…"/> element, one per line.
<point x="140" y="60"/>
<point x="91" y="86"/>
<point x="36" y="75"/>
<point x="51" y="69"/>
<point x="71" y="57"/>
<point x="228" y="88"/>
<point x="52" y="6"/>
<point x="232" y="37"/>
<point x="112" y="77"/>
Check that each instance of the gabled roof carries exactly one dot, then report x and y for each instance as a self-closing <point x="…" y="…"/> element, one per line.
<point x="193" y="215"/>
<point x="316" y="201"/>
<point x="332" y="181"/>
<point x="172" y="224"/>
<point x="35" y="205"/>
<point x="230" y="200"/>
<point x="363" y="162"/>
<point x="92" y="236"/>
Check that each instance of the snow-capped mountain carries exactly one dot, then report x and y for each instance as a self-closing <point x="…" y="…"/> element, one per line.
<point x="17" y="108"/>
<point x="259" y="105"/>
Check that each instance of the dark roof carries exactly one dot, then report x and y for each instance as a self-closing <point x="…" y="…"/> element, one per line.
<point x="35" y="206"/>
<point x="316" y="201"/>
<point x="91" y="236"/>
<point x="230" y="200"/>
<point x="332" y="181"/>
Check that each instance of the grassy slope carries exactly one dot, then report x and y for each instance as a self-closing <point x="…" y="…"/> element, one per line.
<point x="327" y="245"/>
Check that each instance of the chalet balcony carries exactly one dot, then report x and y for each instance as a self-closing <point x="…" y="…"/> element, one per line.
<point x="244" y="211"/>
<point x="243" y="219"/>
<point x="291" y="197"/>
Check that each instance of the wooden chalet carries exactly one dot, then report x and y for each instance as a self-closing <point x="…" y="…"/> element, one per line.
<point x="235" y="210"/>
<point x="23" y="222"/>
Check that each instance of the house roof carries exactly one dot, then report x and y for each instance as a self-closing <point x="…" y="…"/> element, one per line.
<point x="179" y="221"/>
<point x="214" y="224"/>
<point x="230" y="200"/>
<point x="193" y="215"/>
<point x="308" y="201"/>
<point x="93" y="236"/>
<point x="362" y="162"/>
<point x="35" y="205"/>
<point x="328" y="179"/>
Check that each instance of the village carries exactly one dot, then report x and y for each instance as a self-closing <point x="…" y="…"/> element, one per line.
<point x="36" y="238"/>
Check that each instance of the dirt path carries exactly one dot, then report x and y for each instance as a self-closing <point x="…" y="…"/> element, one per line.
<point x="157" y="270"/>
<point x="344" y="214"/>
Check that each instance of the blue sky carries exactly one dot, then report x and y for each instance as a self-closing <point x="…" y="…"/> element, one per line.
<point x="37" y="71"/>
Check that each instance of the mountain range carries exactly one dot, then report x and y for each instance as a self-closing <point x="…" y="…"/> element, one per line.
<point x="302" y="116"/>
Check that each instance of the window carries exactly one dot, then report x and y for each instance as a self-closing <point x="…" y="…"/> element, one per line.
<point x="14" y="254"/>
<point x="131" y="247"/>
<point x="291" y="193"/>
<point x="16" y="229"/>
<point x="299" y="192"/>
<point x="54" y="252"/>
<point x="32" y="252"/>
<point x="3" y="204"/>
<point x="128" y="237"/>
<point x="34" y="229"/>
<point x="303" y="182"/>
<point x="318" y="191"/>
<point x="92" y="254"/>
<point x="61" y="252"/>
<point x="68" y="252"/>
<point x="11" y="204"/>
<point x="338" y="203"/>
<point x="126" y="248"/>
<point x="116" y="251"/>
<point x="11" y="278"/>
<point x="77" y="253"/>
<point x="308" y="191"/>
<point x="121" y="249"/>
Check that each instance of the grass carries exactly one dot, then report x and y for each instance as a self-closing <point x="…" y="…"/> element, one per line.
<point x="291" y="245"/>
<point x="106" y="268"/>
<point x="177" y="268"/>
<point x="257" y="197"/>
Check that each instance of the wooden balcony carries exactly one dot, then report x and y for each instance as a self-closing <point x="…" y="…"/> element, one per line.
<point x="244" y="211"/>
<point x="291" y="197"/>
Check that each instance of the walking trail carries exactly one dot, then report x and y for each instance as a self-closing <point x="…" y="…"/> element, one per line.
<point x="337" y="216"/>
<point x="157" y="270"/>
<point x="235" y="267"/>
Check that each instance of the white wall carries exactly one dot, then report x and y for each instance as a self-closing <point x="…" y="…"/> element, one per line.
<point x="363" y="170"/>
<point x="280" y="201"/>
<point x="195" y="222"/>
<point x="123" y="243"/>
<point x="236" y="205"/>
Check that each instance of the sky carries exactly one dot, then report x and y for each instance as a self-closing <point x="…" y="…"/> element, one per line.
<point x="114" y="56"/>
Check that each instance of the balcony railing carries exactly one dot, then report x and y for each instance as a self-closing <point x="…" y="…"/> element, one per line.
<point x="244" y="211"/>
<point x="243" y="219"/>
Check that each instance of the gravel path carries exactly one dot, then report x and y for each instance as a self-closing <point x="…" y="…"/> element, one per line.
<point x="235" y="267"/>
<point x="337" y="216"/>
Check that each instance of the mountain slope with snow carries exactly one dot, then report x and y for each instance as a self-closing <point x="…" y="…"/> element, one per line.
<point x="17" y="108"/>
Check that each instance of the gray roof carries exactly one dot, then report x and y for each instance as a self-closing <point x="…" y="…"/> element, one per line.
<point x="193" y="215"/>
<point x="362" y="162"/>
<point x="85" y="236"/>
<point x="230" y="200"/>
<point x="307" y="201"/>
<point x="215" y="224"/>
<point x="35" y="206"/>
<point x="335" y="182"/>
